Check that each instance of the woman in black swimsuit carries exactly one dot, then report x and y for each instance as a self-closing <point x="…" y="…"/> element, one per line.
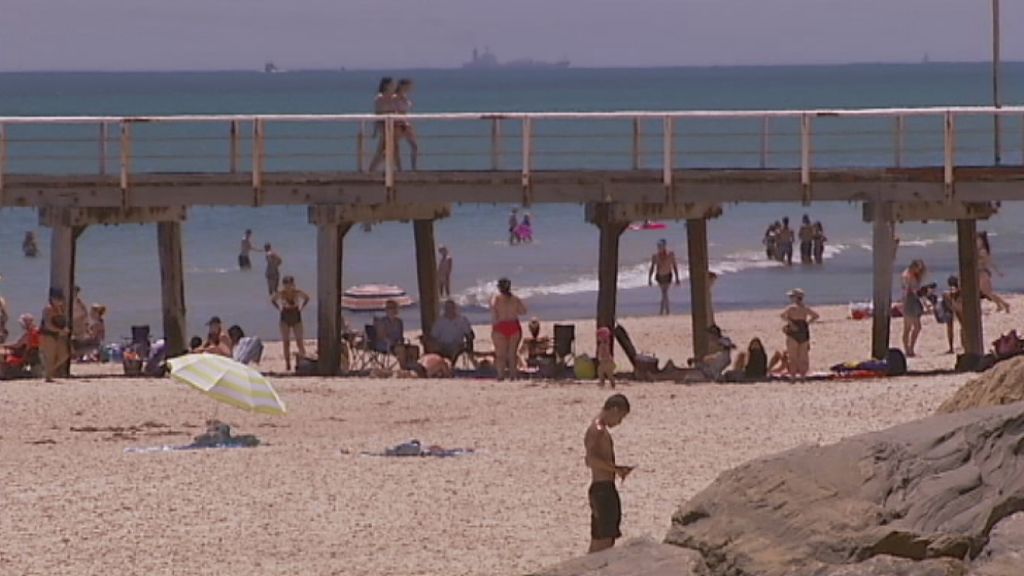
<point x="290" y="301"/>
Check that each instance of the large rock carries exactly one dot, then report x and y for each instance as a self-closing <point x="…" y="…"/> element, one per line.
<point x="638" y="557"/>
<point x="1004" y="554"/>
<point x="917" y="500"/>
<point x="1002" y="384"/>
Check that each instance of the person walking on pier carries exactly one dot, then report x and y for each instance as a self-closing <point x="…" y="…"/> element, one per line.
<point x="444" y="272"/>
<point x="913" y="309"/>
<point x="273" y="272"/>
<point x="384" y="103"/>
<point x="290" y="301"/>
<point x="663" y="268"/>
<point x="403" y="128"/>
<point x="798" y="319"/>
<point x="986" y="266"/>
<point x="506" y="308"/>
<point x="806" y="235"/>
<point x="605" y="505"/>
<point x="244" y="261"/>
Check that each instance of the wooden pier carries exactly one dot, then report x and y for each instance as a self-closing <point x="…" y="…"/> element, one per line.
<point x="901" y="164"/>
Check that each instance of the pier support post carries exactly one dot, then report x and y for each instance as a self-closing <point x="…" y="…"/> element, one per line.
<point x="426" y="272"/>
<point x="607" y="265"/>
<point x="172" y="286"/>
<point x="63" y="240"/>
<point x="700" y="286"/>
<point x="883" y="242"/>
<point x="972" y="335"/>
<point x="330" y="238"/>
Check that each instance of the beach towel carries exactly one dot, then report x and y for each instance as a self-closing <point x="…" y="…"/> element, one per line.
<point x="249" y="350"/>
<point x="414" y="448"/>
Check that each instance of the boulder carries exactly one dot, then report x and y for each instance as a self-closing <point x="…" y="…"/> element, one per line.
<point x="636" y="557"/>
<point x="1004" y="554"/>
<point x="919" y="499"/>
<point x="1002" y="384"/>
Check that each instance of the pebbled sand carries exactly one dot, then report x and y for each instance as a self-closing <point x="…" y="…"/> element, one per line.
<point x="72" y="502"/>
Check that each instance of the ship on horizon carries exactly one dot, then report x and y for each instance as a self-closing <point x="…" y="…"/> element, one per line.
<point x="486" y="60"/>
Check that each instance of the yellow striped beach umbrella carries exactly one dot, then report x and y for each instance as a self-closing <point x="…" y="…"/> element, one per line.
<point x="227" y="381"/>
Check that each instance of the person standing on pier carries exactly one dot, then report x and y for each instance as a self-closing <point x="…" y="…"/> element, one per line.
<point x="806" y="235"/>
<point x="403" y="128"/>
<point x="444" y="272"/>
<point x="506" y="308"/>
<point x="605" y="505"/>
<point x="273" y="273"/>
<point x="986" y="266"/>
<point x="663" y="268"/>
<point x="384" y="103"/>
<point x="244" y="261"/>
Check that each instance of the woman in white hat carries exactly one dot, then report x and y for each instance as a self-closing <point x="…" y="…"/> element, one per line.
<point x="798" y="318"/>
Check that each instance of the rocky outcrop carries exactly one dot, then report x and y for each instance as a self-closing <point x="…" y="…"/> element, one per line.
<point x="929" y="490"/>
<point x="638" y="556"/>
<point x="1004" y="554"/>
<point x="1002" y="384"/>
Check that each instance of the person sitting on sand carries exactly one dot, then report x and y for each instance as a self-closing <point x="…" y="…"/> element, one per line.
<point x="719" y="356"/>
<point x="751" y="364"/>
<point x="451" y="334"/>
<point x="217" y="340"/>
<point x="391" y="333"/>
<point x="433" y="366"/>
<point x="535" y="349"/>
<point x="24" y="351"/>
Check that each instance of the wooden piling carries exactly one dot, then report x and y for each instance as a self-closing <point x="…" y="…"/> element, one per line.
<point x="883" y="244"/>
<point x="700" y="290"/>
<point x="330" y="239"/>
<point x="63" y="239"/>
<point x="972" y="334"/>
<point x="608" y="267"/>
<point x="426" y="272"/>
<point x="172" y="286"/>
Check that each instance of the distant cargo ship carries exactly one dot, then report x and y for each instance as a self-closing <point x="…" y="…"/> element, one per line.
<point x="488" y="61"/>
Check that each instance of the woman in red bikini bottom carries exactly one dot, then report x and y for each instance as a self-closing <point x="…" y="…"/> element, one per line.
<point x="506" y="308"/>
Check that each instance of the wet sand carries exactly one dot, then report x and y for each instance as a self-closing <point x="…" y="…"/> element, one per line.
<point x="308" y="502"/>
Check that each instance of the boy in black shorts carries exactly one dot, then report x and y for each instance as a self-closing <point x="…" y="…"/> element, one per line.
<point x="605" y="507"/>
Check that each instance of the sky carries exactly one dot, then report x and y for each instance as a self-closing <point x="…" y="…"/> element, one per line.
<point x="243" y="34"/>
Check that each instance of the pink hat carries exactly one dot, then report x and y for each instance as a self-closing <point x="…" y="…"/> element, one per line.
<point x="604" y="333"/>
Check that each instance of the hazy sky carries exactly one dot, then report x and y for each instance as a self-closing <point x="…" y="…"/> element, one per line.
<point x="219" y="34"/>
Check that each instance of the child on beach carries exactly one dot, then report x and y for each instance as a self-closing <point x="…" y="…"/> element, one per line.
<point x="605" y="361"/>
<point x="950" y="309"/>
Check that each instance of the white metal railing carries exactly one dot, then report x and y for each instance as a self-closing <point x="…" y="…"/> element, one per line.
<point x="666" y="142"/>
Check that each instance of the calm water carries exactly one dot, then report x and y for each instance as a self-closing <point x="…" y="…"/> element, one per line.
<point x="117" y="266"/>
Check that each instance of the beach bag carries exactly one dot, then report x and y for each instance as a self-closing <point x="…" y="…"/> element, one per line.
<point x="249" y="350"/>
<point x="895" y="362"/>
<point x="584" y="368"/>
<point x="305" y="366"/>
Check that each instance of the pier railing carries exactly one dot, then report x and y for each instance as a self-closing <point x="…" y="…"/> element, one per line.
<point x="525" y="143"/>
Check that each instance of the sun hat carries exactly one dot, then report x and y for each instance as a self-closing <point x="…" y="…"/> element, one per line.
<point x="795" y="292"/>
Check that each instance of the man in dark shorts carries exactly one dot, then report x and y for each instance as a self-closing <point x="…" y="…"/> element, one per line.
<point x="663" y="268"/>
<point x="605" y="507"/>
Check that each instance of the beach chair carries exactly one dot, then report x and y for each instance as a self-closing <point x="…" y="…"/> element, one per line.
<point x="565" y="342"/>
<point x="644" y="366"/>
<point x="376" y="354"/>
<point x="140" y="343"/>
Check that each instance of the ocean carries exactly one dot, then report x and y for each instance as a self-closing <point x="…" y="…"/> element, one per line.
<point x="557" y="274"/>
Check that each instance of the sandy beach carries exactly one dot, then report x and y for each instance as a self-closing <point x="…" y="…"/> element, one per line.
<point x="308" y="501"/>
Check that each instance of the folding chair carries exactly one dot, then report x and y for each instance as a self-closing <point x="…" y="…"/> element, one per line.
<point x="140" y="341"/>
<point x="565" y="342"/>
<point x="376" y="355"/>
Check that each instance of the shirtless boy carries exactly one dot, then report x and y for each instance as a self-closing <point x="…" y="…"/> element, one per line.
<point x="663" y="267"/>
<point x="605" y="507"/>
